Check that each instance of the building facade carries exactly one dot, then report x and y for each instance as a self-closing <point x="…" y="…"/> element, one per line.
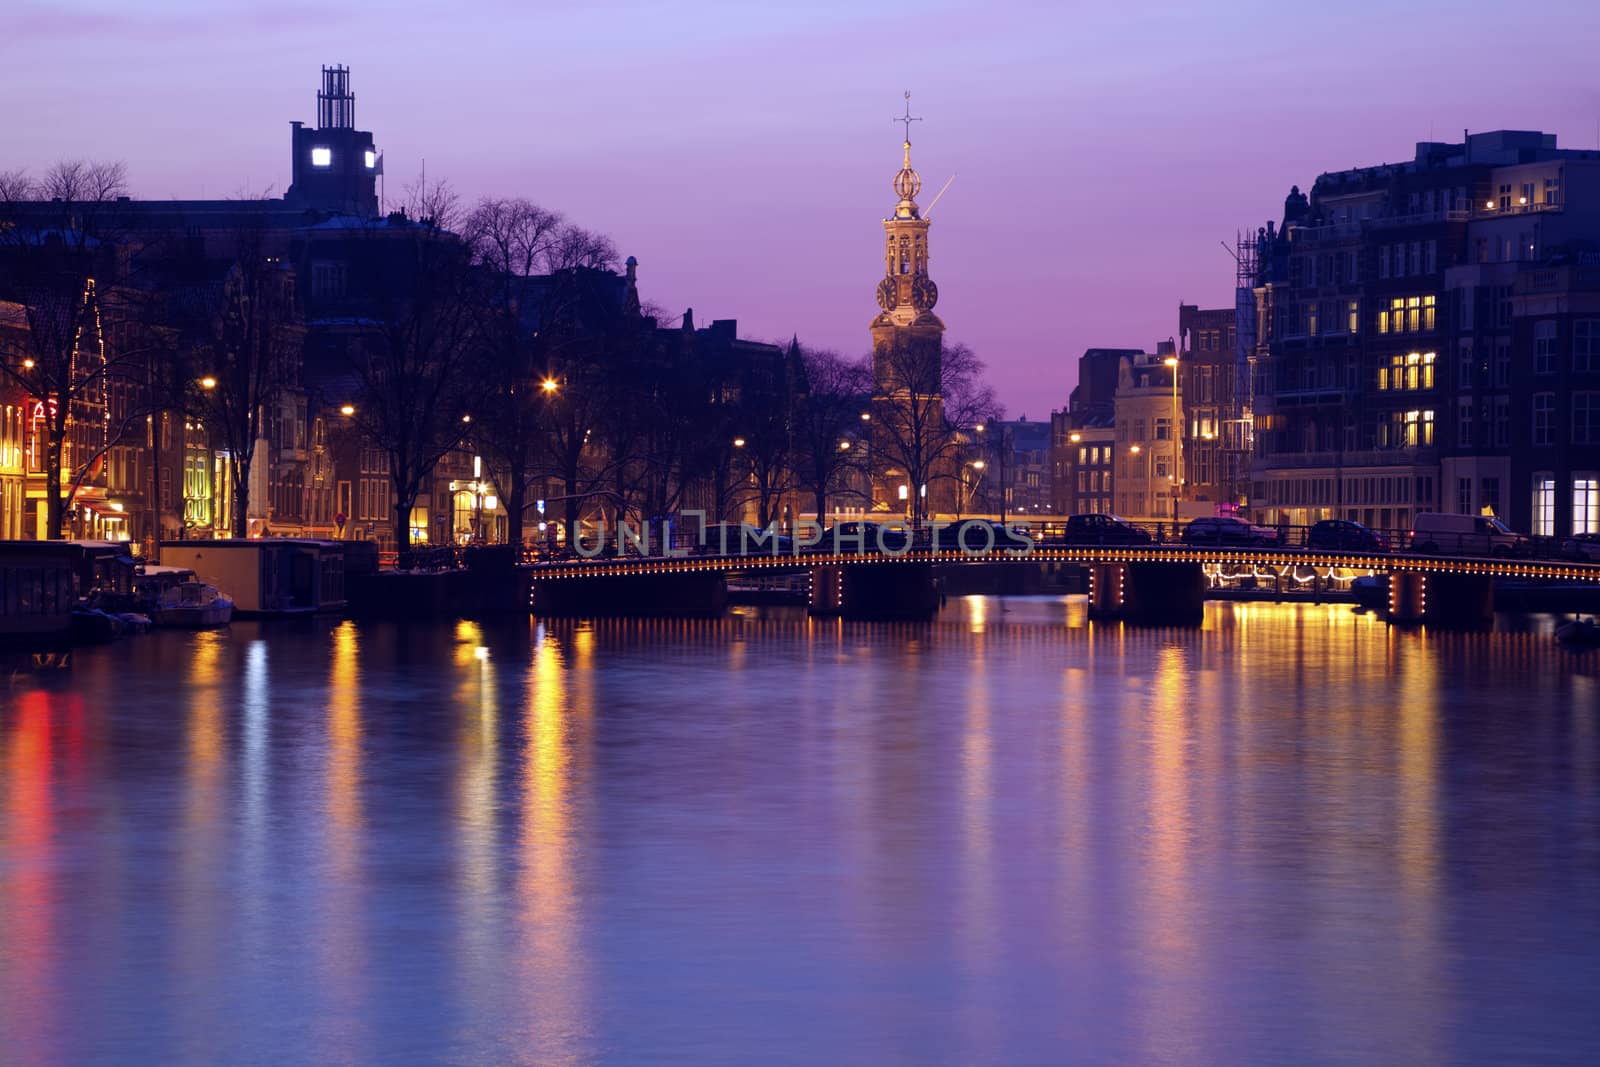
<point x="1215" y="431"/>
<point x="1421" y="339"/>
<point x="1083" y="437"/>
<point x="1148" y="414"/>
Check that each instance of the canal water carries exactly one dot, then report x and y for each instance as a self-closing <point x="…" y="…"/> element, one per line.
<point x="1009" y="836"/>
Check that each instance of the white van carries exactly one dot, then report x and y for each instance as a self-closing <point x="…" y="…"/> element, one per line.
<point x="1465" y="535"/>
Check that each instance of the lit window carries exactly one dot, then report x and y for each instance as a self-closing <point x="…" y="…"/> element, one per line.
<point x="321" y="157"/>
<point x="372" y="159"/>
<point x="1585" y="504"/>
<point x="1544" y="505"/>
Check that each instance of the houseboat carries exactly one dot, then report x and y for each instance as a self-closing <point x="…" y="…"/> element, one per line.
<point x="266" y="576"/>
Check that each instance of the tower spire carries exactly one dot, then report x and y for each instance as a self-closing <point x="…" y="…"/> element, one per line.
<point x="907" y="182"/>
<point x="908" y="118"/>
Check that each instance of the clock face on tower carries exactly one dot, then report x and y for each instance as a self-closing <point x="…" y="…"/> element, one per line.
<point x="924" y="294"/>
<point x="886" y="294"/>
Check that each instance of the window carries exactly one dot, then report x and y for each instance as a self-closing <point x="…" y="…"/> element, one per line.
<point x="1544" y="346"/>
<point x="371" y="159"/>
<point x="1411" y="371"/>
<point x="1544" y="505"/>
<point x="1502" y="420"/>
<point x="1544" y="418"/>
<point x="327" y="281"/>
<point x="1463" y="496"/>
<point x="1489" y="495"/>
<point x="1464" y="421"/>
<point x="1586" y="418"/>
<point x="1586" y="345"/>
<point x="1430" y="257"/>
<point x="1585" y="503"/>
<point x="1527" y="195"/>
<point x="1502" y="364"/>
<point x="1505" y="197"/>
<point x="1408" y="314"/>
<point x="1352" y="320"/>
<point x="1552" y="190"/>
<point x="1464" y="365"/>
<point x="321" y="156"/>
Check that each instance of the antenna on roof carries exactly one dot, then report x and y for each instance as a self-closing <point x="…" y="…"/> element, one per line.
<point x="929" y="210"/>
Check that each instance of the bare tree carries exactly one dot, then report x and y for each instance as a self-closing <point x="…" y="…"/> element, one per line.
<point x="928" y="397"/>
<point x="414" y="365"/>
<point x="58" y="258"/>
<point x="247" y="355"/>
<point x="544" y="326"/>
<point x="830" y="450"/>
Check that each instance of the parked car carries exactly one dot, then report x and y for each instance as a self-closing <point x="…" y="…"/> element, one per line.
<point x="1007" y="537"/>
<point x="1584" y="546"/>
<point x="864" y="536"/>
<point x="1228" y="531"/>
<point x="735" y="539"/>
<point x="1102" y="530"/>
<point x="1468" y="535"/>
<point x="1344" y="534"/>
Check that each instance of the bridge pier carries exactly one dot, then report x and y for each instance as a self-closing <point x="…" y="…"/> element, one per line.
<point x="1159" y="594"/>
<point x="868" y="591"/>
<point x="692" y="594"/>
<point x="1456" y="601"/>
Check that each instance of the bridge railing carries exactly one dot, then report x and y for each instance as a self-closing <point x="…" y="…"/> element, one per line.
<point x="727" y="540"/>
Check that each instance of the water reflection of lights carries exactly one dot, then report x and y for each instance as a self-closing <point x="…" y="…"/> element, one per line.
<point x="205" y="821"/>
<point x="556" y="975"/>
<point x="343" y="962"/>
<point x="1246" y="575"/>
<point x="30" y="1003"/>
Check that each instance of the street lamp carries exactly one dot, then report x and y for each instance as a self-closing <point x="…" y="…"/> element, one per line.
<point x="549" y="385"/>
<point x="738" y="442"/>
<point x="347" y="410"/>
<point x="1177" y="429"/>
<point x="208" y="382"/>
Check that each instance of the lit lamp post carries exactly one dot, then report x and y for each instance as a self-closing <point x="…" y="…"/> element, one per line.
<point x="1177" y="429"/>
<point x="972" y="489"/>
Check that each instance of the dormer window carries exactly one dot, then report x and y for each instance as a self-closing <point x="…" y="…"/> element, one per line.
<point x="322" y="156"/>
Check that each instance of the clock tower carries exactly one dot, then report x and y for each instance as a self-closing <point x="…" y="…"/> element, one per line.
<point x="907" y="344"/>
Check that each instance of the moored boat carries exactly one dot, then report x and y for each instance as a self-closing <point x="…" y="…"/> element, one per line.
<point x="192" y="605"/>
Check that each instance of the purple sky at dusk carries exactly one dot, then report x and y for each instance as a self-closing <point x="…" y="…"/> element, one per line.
<point x="743" y="151"/>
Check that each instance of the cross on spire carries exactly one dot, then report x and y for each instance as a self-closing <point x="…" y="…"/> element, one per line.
<point x="907" y="118"/>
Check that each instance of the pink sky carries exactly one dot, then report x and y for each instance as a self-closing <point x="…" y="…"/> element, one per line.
<point x="743" y="151"/>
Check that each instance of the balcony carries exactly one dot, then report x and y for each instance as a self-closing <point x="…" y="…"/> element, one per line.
<point x="1304" y="398"/>
<point x="1421" y="218"/>
<point x="1480" y="211"/>
<point x="1367" y="457"/>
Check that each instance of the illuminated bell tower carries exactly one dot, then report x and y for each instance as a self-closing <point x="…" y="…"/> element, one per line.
<point x="907" y="339"/>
